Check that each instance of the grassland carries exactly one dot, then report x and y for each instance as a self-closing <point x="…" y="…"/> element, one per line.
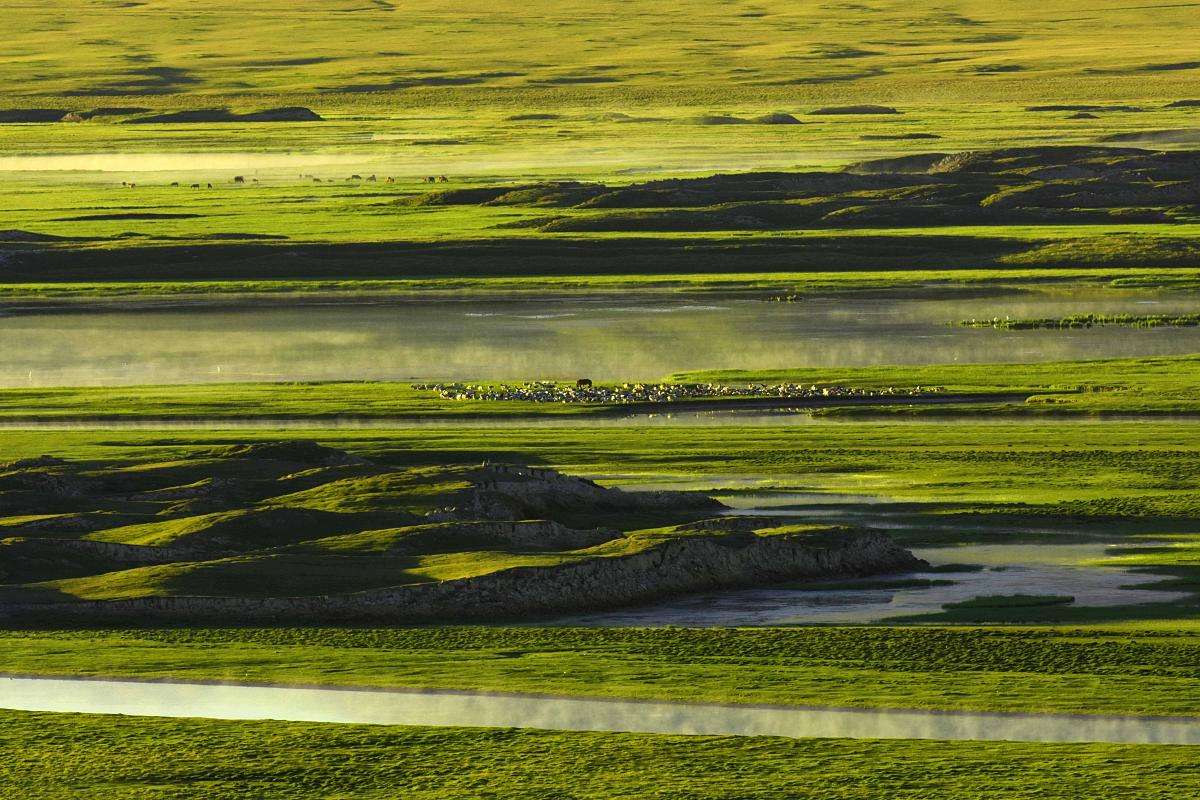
<point x="1142" y="469"/>
<point x="1137" y="668"/>
<point x="1021" y="482"/>
<point x="1147" y="386"/>
<point x="40" y="297"/>
<point x="1134" y="483"/>
<point x="484" y="96"/>
<point x="1053" y="211"/>
<point x="694" y="53"/>
<point x="398" y="103"/>
<point x="292" y="520"/>
<point x="82" y="757"/>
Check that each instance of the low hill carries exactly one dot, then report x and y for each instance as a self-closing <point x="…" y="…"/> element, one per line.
<point x="376" y="542"/>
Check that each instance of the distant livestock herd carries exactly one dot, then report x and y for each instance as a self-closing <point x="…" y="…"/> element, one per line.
<point x="584" y="391"/>
<point x="241" y="180"/>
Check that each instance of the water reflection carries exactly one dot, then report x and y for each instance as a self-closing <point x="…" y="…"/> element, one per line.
<point x="1044" y="569"/>
<point x="399" y="707"/>
<point x="606" y="339"/>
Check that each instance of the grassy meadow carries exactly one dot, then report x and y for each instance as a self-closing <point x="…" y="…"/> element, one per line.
<point x="690" y="53"/>
<point x="1093" y="468"/>
<point x="538" y="150"/>
<point x="1129" y="669"/>
<point x="1150" y="387"/>
<point x="1032" y="482"/>
<point x="81" y="756"/>
<point x="653" y="90"/>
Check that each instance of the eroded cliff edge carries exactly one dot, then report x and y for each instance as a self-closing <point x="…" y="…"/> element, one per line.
<point x="298" y="533"/>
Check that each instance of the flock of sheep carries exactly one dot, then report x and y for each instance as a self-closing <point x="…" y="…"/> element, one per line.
<point x="584" y="391"/>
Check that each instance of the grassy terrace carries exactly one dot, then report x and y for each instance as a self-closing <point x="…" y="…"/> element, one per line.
<point x="1147" y="386"/>
<point x="999" y="210"/>
<point x="1137" y="483"/>
<point x="70" y="295"/>
<point x="1131" y="669"/>
<point x="83" y="757"/>
<point x="1147" y="464"/>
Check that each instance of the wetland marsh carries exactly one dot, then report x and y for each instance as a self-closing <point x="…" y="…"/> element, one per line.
<point x="268" y="277"/>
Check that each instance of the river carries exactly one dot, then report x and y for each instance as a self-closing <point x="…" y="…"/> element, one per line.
<point x="638" y="337"/>
<point x="472" y="709"/>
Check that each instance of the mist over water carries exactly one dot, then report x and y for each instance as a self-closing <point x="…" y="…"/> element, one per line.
<point x="574" y="714"/>
<point x="639" y="338"/>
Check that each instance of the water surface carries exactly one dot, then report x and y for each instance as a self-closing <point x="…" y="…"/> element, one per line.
<point x="1063" y="568"/>
<point x="645" y="337"/>
<point x="446" y="708"/>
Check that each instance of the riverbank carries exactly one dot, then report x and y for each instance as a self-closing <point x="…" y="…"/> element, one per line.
<point x="1152" y="387"/>
<point x="92" y="757"/>
<point x="1136" y="669"/>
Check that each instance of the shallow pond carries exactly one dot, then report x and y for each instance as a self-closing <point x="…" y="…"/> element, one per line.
<point x="401" y="707"/>
<point x="1056" y="569"/>
<point x="604" y="338"/>
<point x="1029" y="569"/>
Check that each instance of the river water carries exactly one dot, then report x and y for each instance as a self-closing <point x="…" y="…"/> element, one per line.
<point x="446" y="708"/>
<point x="606" y="338"/>
<point x="1064" y="568"/>
<point x="1013" y="569"/>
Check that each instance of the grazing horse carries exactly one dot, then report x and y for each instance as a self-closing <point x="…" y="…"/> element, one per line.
<point x="391" y="179"/>
<point x="443" y="179"/>
<point x="195" y="186"/>
<point x="370" y="179"/>
<point x="239" y="179"/>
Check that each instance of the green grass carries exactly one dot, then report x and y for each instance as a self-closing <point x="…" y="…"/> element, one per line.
<point x="82" y="757"/>
<point x="1145" y="385"/>
<point x="1150" y="386"/>
<point x="926" y="283"/>
<point x="304" y="522"/>
<point x="509" y="54"/>
<point x="363" y="262"/>
<point x="399" y="102"/>
<point x="1087" y="321"/>
<point x="1138" y="668"/>
<point x="1013" y="601"/>
<point x="1147" y="466"/>
<point x="1014" y="482"/>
